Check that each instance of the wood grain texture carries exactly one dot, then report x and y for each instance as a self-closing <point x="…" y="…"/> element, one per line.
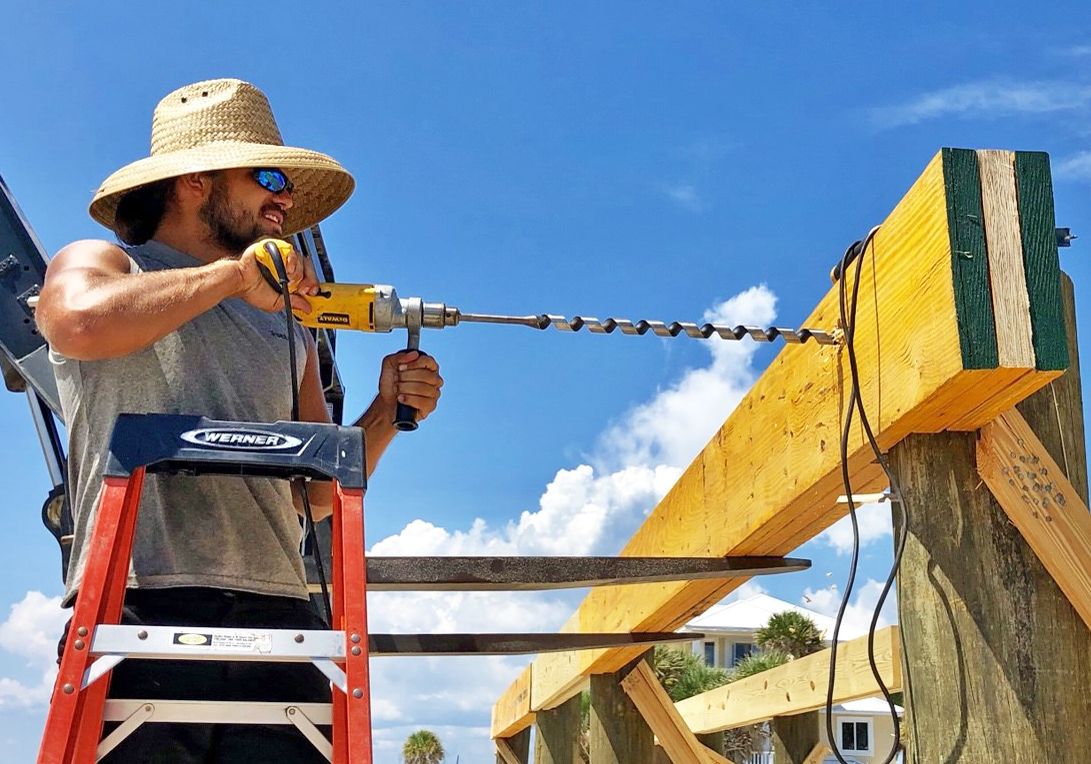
<point x="797" y="687"/>
<point x="795" y="737"/>
<point x="817" y="754"/>
<point x="506" y="753"/>
<point x="680" y="744"/>
<point x="995" y="656"/>
<point x="558" y="734"/>
<point x="1041" y="263"/>
<point x="511" y="713"/>
<point x="977" y="329"/>
<point x="618" y="733"/>
<point x="1037" y="497"/>
<point x="767" y="481"/>
<point x="1004" y="243"/>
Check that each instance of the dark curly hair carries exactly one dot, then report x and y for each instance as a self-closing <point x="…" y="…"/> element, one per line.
<point x="140" y="211"/>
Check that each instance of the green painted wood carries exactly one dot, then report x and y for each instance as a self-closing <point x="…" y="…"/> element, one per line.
<point x="969" y="260"/>
<point x="1039" y="231"/>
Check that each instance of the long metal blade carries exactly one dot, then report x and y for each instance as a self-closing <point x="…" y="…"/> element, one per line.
<point x="512" y="644"/>
<point x="540" y="573"/>
<point x="658" y="328"/>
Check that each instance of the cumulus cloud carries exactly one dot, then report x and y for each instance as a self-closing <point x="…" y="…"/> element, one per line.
<point x="874" y="523"/>
<point x="590" y="508"/>
<point x="988" y="98"/>
<point x="30" y="634"/>
<point x="860" y="609"/>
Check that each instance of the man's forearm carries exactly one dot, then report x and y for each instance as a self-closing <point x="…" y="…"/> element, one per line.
<point x="112" y="316"/>
<point x="378" y="426"/>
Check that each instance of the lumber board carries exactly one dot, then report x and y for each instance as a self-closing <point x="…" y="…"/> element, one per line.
<point x="1004" y="243"/>
<point x="658" y="710"/>
<point x="817" y="754"/>
<point x="798" y="686"/>
<point x="1041" y="261"/>
<point x="757" y="487"/>
<point x="505" y="752"/>
<point x="1041" y="502"/>
<point x="768" y="479"/>
<point x="511" y="714"/>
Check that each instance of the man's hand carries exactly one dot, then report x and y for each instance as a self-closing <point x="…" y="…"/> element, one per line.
<point x="254" y="289"/>
<point x="411" y="377"/>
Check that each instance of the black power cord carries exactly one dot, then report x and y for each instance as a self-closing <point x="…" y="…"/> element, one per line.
<point x="310" y="531"/>
<point x="848" y="306"/>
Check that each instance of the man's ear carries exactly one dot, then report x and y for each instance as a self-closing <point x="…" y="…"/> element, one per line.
<point x="194" y="185"/>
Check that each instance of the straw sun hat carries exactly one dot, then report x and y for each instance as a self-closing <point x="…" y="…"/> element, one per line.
<point x="222" y="124"/>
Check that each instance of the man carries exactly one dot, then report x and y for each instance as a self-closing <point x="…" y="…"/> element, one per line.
<point x="181" y="321"/>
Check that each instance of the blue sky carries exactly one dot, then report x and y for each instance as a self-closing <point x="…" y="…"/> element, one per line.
<point x="636" y="160"/>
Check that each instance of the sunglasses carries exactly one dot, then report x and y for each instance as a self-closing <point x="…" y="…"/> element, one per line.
<point x="272" y="180"/>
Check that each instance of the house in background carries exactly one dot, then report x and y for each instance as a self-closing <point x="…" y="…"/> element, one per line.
<point x="863" y="728"/>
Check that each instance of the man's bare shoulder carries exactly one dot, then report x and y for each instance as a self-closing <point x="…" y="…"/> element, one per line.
<point x="94" y="254"/>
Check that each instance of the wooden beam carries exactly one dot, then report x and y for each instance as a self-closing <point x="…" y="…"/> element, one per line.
<point x="1037" y="497"/>
<point x="505" y="753"/>
<point x="1007" y="279"/>
<point x="794" y="737"/>
<point x="798" y="686"/>
<point x="511" y="714"/>
<point x="925" y="323"/>
<point x="927" y="348"/>
<point x="618" y="732"/>
<point x="648" y="695"/>
<point x="817" y="754"/>
<point x="558" y="734"/>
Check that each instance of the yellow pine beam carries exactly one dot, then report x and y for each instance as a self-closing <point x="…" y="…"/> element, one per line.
<point x="1040" y="501"/>
<point x="798" y="686"/>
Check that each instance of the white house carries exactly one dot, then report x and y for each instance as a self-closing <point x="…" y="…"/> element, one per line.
<point x="863" y="728"/>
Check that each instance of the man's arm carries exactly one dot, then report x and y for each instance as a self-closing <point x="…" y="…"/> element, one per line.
<point x="409" y="376"/>
<point x="92" y="307"/>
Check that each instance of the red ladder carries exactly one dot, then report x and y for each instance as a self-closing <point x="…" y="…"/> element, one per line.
<point x="73" y="729"/>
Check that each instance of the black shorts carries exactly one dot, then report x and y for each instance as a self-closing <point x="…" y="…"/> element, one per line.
<point x="216" y="680"/>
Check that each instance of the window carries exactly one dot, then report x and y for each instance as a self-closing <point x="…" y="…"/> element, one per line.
<point x="740" y="651"/>
<point x="855" y="735"/>
<point x="710" y="653"/>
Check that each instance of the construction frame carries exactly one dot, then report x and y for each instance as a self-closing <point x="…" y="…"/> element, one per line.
<point x="965" y="339"/>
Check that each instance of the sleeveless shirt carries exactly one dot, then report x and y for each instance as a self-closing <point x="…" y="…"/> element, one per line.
<point x="231" y="363"/>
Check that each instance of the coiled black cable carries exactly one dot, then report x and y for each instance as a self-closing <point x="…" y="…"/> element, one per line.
<point x="847" y="307"/>
<point x="310" y="531"/>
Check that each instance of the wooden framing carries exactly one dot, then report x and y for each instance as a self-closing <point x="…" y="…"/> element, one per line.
<point x="648" y="695"/>
<point x="798" y="686"/>
<point x="1041" y="503"/>
<point x="927" y="345"/>
<point x="512" y="713"/>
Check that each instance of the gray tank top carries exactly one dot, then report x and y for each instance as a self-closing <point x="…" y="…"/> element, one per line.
<point x="225" y="532"/>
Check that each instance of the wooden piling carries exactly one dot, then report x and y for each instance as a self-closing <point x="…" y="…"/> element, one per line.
<point x="794" y="737"/>
<point x="618" y="733"/>
<point x="557" y="739"/>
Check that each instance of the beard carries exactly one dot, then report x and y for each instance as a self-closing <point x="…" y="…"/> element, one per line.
<point x="230" y="229"/>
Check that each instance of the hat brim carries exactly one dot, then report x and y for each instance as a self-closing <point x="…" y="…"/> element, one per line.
<point x="321" y="183"/>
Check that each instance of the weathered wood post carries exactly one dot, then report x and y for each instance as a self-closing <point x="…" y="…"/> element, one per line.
<point x="794" y="737"/>
<point x="517" y="748"/>
<point x="995" y="657"/>
<point x="618" y="734"/>
<point x="557" y="741"/>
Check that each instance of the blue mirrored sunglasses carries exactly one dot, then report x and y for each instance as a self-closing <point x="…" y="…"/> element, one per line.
<point x="272" y="180"/>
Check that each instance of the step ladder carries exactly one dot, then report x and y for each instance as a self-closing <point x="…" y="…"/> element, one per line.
<point x="191" y="445"/>
<point x="143" y="443"/>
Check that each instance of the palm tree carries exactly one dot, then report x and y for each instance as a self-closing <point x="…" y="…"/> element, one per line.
<point x="791" y="633"/>
<point x="422" y="747"/>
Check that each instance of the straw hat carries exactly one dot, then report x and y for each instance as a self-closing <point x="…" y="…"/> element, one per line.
<point x="218" y="125"/>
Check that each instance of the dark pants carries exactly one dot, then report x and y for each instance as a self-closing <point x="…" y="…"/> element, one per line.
<point x="216" y="680"/>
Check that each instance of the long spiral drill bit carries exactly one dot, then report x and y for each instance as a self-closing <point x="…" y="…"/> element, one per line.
<point x="659" y="328"/>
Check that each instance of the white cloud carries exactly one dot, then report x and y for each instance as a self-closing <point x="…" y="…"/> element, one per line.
<point x="30" y="633"/>
<point x="860" y="609"/>
<point x="1075" y="167"/>
<point x="874" y="523"/>
<point x="989" y="98"/>
<point x="686" y="196"/>
<point x="586" y="509"/>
